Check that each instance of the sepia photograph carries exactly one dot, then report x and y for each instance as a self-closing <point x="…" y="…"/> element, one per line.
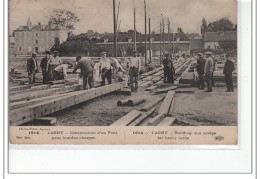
<point x="165" y="68"/>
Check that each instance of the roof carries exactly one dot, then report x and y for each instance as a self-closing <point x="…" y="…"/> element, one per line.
<point x="196" y="44"/>
<point x="220" y="36"/>
<point x="41" y="27"/>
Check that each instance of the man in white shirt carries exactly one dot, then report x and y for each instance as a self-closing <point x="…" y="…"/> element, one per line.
<point x="60" y="72"/>
<point x="134" y="70"/>
<point x="105" y="69"/>
<point x="208" y="69"/>
<point x="53" y="62"/>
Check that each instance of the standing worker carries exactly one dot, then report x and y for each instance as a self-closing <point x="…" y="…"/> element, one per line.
<point x="134" y="70"/>
<point x="169" y="70"/>
<point x="105" y="69"/>
<point x="228" y="70"/>
<point x="214" y="68"/>
<point x="86" y="66"/>
<point x="45" y="74"/>
<point x="208" y="70"/>
<point x="200" y="70"/>
<point x="32" y="68"/>
<point x="52" y="64"/>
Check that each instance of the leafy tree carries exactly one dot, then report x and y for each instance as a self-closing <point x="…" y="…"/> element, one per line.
<point x="56" y="46"/>
<point x="64" y="18"/>
<point x="203" y="27"/>
<point x="223" y="24"/>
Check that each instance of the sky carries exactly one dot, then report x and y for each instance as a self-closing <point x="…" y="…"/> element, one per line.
<point x="97" y="15"/>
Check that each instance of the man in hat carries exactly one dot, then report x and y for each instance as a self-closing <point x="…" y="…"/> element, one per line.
<point x="105" y="69"/>
<point x="208" y="70"/>
<point x="53" y="62"/>
<point x="200" y="70"/>
<point x="43" y="65"/>
<point x="32" y="68"/>
<point x="169" y="70"/>
<point x="134" y="69"/>
<point x="86" y="66"/>
<point x="228" y="70"/>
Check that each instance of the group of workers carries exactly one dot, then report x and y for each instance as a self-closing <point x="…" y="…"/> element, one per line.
<point x="169" y="70"/>
<point x="206" y="66"/>
<point x="53" y="69"/>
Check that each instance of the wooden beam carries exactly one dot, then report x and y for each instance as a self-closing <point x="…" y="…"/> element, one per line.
<point x="127" y="119"/>
<point x="17" y="88"/>
<point x="185" y="90"/>
<point x="29" y="113"/>
<point x="142" y="117"/>
<point x="52" y="120"/>
<point x="151" y="104"/>
<point x="57" y="82"/>
<point x="164" y="108"/>
<point x="168" y="121"/>
<point x="170" y="113"/>
<point x="36" y="88"/>
<point x="165" y="90"/>
<point x="157" y="119"/>
<point x="136" y="100"/>
<point x="122" y="102"/>
<point x="151" y="88"/>
<point x="37" y="94"/>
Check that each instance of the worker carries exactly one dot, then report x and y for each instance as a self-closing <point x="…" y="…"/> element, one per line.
<point x="105" y="69"/>
<point x="228" y="70"/>
<point x="86" y="66"/>
<point x="32" y="68"/>
<point x="169" y="70"/>
<point x="200" y="70"/>
<point x="134" y="69"/>
<point x="60" y="72"/>
<point x="52" y="64"/>
<point x="214" y="68"/>
<point x="43" y="65"/>
<point x="208" y="70"/>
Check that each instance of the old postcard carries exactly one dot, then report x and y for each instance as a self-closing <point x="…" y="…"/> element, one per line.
<point x="138" y="72"/>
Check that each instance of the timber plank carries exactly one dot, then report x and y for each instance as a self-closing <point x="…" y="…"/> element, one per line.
<point x="29" y="113"/>
<point x="164" y="90"/>
<point x="127" y="119"/>
<point x="144" y="116"/>
<point x="167" y="121"/>
<point x="170" y="113"/>
<point x="151" y="104"/>
<point x="164" y="108"/>
<point x="157" y="119"/>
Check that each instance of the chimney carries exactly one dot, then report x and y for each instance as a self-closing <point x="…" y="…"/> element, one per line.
<point x="29" y="24"/>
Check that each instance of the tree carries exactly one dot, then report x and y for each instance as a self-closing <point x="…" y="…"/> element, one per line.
<point x="223" y="24"/>
<point x="64" y="18"/>
<point x="203" y="27"/>
<point x="56" y="46"/>
<point x="179" y="30"/>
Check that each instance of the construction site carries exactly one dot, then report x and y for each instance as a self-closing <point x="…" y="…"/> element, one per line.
<point x="182" y="103"/>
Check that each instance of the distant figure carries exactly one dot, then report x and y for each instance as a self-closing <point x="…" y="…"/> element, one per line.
<point x="228" y="70"/>
<point x="134" y="69"/>
<point x="32" y="68"/>
<point x="214" y="68"/>
<point x="45" y="74"/>
<point x="208" y="70"/>
<point x="86" y="66"/>
<point x="60" y="72"/>
<point x="53" y="62"/>
<point x="169" y="70"/>
<point x="105" y="69"/>
<point x="200" y="70"/>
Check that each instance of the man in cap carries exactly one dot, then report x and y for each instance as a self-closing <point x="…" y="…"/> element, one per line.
<point x="200" y="70"/>
<point x="169" y="70"/>
<point x="228" y="70"/>
<point x="208" y="70"/>
<point x="134" y="69"/>
<point x="86" y="66"/>
<point x="53" y="62"/>
<point x="43" y="65"/>
<point x="105" y="69"/>
<point x="32" y="68"/>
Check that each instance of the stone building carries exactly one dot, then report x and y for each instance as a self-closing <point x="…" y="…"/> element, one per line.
<point x="37" y="38"/>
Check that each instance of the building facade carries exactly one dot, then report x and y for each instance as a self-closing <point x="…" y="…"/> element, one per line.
<point x="37" y="38"/>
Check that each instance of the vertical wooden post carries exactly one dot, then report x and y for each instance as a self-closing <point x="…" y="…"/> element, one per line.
<point x="115" y="26"/>
<point x="169" y="45"/>
<point x="150" y="42"/>
<point x="145" y="33"/>
<point x="134" y="31"/>
<point x="160" y="43"/>
<point x="163" y="35"/>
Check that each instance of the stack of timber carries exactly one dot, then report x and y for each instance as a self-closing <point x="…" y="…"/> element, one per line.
<point x="132" y="101"/>
<point x="31" y="107"/>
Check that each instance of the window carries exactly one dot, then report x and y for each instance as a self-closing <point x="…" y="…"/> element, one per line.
<point x="36" y="34"/>
<point x="36" y="41"/>
<point x="208" y="47"/>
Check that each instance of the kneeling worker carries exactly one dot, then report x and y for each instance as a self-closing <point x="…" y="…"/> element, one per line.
<point x="86" y="66"/>
<point x="60" y="72"/>
<point x="134" y="70"/>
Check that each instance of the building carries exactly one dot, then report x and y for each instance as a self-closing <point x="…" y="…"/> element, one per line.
<point x="125" y="43"/>
<point x="37" y="38"/>
<point x="213" y="40"/>
<point x="196" y="45"/>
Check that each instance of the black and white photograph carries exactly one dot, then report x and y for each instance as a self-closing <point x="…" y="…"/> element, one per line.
<point x="120" y="63"/>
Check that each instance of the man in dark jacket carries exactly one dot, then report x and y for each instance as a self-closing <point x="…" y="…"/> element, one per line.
<point x="200" y="70"/>
<point x="169" y="70"/>
<point x="43" y="65"/>
<point x="32" y="68"/>
<point x="86" y="66"/>
<point x="228" y="70"/>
